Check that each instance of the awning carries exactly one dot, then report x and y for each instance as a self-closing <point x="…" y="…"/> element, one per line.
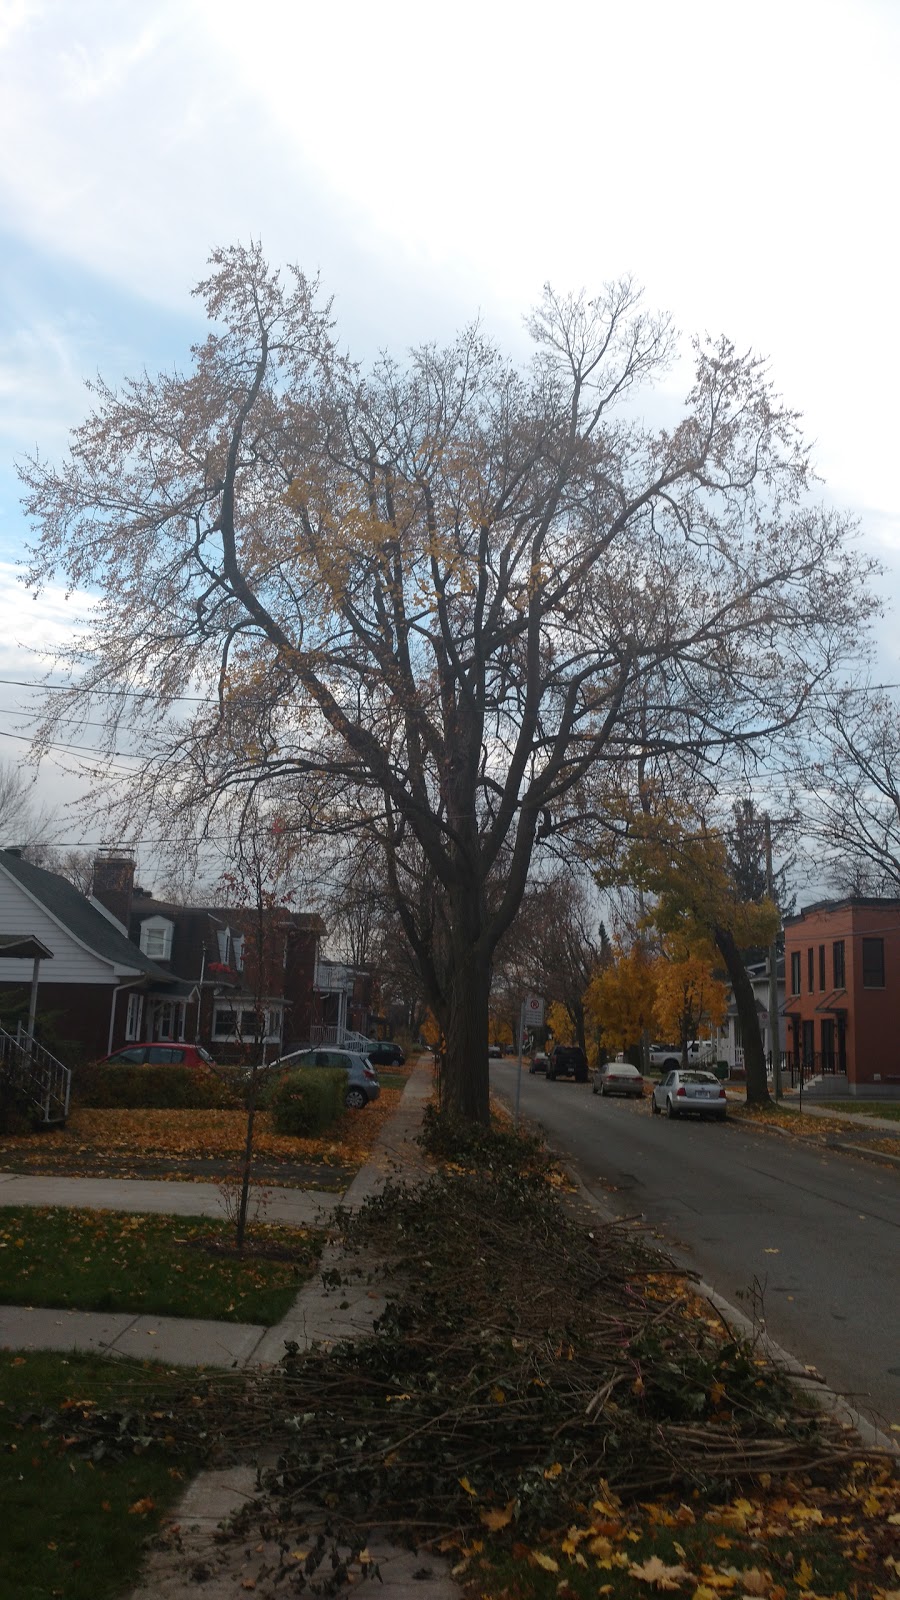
<point x="24" y="947"/>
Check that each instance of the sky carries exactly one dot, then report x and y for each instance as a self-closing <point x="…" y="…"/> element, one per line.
<point x="437" y="163"/>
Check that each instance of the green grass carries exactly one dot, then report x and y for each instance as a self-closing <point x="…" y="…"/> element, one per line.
<point x="67" y="1527"/>
<point x="121" y="1261"/>
<point x="863" y="1108"/>
<point x="392" y="1080"/>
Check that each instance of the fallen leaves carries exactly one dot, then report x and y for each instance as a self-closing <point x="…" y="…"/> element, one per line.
<point x="659" y="1574"/>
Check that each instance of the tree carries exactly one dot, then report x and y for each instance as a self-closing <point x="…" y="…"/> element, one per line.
<point x="20" y="823"/>
<point x="688" y="996"/>
<point x="851" y="779"/>
<point x="620" y="1000"/>
<point x="696" y="899"/>
<point x="258" y="885"/>
<point x="747" y="856"/>
<point x="426" y="601"/>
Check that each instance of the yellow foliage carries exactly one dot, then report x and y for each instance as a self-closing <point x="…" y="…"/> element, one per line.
<point x="560" y="1023"/>
<point x="688" y="997"/>
<point x="620" y="999"/>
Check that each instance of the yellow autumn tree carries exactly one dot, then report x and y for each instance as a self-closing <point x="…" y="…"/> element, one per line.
<point x="620" y="999"/>
<point x="689" y="997"/>
<point x="559" y="1023"/>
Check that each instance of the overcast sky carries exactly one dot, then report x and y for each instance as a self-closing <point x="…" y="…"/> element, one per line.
<point x="438" y="162"/>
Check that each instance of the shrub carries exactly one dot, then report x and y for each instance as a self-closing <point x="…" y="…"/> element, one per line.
<point x="451" y="1139"/>
<point x="164" y="1088"/>
<point x="306" y="1102"/>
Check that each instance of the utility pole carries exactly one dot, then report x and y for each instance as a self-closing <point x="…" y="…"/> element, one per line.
<point x="774" y="1027"/>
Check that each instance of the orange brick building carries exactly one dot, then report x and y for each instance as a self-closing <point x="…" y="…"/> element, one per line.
<point x="842" y="992"/>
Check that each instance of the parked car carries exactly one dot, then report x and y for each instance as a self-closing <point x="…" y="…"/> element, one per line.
<point x="567" y="1061"/>
<point x="618" y="1077"/>
<point x="362" y="1079"/>
<point x="539" y="1062"/>
<point x="385" y="1053"/>
<point x="693" y="1092"/>
<point x="495" y="1052"/>
<point x="159" y="1053"/>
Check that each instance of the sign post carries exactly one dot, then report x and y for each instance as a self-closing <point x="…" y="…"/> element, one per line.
<point x="531" y="1015"/>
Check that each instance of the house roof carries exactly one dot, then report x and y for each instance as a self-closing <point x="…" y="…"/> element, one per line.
<point x="68" y="906"/>
<point x="847" y="902"/>
<point x="146" y="905"/>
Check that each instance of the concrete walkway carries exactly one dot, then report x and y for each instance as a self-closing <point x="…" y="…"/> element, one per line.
<point x="859" y="1119"/>
<point x="319" y="1313"/>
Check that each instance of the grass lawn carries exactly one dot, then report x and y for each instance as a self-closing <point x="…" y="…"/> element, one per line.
<point x="74" y="1527"/>
<point x="167" y="1266"/>
<point x="194" y="1144"/>
<point x="863" y="1108"/>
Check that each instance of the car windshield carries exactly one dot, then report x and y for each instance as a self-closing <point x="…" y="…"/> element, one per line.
<point x="698" y="1077"/>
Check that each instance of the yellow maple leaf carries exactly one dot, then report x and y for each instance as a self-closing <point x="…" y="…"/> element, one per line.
<point x="658" y="1573"/>
<point x="554" y="1471"/>
<point x="803" y="1577"/>
<point x="465" y="1484"/>
<point x="547" y="1562"/>
<point x="495" y="1520"/>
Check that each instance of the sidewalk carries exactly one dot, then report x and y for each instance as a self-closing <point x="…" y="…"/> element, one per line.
<point x="808" y="1108"/>
<point x="319" y="1313"/>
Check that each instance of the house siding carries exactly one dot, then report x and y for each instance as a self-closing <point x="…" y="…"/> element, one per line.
<point x="71" y="963"/>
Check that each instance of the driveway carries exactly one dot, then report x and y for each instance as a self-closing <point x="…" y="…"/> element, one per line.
<point x="811" y="1237"/>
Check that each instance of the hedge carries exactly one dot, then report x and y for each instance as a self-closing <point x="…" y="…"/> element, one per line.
<point x="308" y="1101"/>
<point x="165" y="1088"/>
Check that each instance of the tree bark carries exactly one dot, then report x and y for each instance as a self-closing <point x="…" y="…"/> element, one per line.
<point x="745" y="1000"/>
<point x="464" y="1078"/>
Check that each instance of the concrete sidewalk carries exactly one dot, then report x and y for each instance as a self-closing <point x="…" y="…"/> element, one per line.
<point x="319" y="1313"/>
<point x="300" y="1208"/>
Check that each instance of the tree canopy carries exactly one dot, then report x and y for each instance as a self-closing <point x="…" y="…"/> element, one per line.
<point x="425" y="604"/>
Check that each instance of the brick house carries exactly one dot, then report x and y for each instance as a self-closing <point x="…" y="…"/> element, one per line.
<point x="211" y="951"/>
<point x="93" y="974"/>
<point x="842" y="1005"/>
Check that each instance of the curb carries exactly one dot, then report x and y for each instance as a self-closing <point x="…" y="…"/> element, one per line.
<point x="832" y="1143"/>
<point x="829" y="1401"/>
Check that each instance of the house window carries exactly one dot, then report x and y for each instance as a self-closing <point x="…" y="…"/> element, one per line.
<point x="795" y="972"/>
<point x="810" y="965"/>
<point x="168" y="1022"/>
<point x="837" y="954"/>
<point x="134" y="1016"/>
<point x="237" y="945"/>
<point x="821" y="966"/>
<point x="222" y="938"/>
<point x="232" y="1025"/>
<point x="156" y="938"/>
<point x="827" y="1045"/>
<point x="873" y="963"/>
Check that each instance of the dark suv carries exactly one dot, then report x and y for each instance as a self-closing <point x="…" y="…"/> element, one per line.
<point x="385" y="1053"/>
<point x="567" y="1061"/>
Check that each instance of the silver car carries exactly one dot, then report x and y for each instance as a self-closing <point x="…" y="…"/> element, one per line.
<point x="362" y="1079"/>
<point x="692" y="1092"/>
<point x="618" y="1077"/>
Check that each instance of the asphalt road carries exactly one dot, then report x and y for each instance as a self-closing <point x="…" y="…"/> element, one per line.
<point x="814" y="1236"/>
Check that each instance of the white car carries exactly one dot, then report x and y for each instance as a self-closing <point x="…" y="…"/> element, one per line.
<point x="692" y="1092"/>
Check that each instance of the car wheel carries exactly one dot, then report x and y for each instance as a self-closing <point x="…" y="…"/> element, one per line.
<point x="653" y="1106"/>
<point x="671" y="1113"/>
<point x="356" y="1099"/>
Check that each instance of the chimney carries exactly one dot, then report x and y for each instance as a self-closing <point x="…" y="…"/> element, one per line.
<point x="113" y="883"/>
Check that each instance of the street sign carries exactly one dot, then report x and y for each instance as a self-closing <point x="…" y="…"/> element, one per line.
<point x="533" y="1011"/>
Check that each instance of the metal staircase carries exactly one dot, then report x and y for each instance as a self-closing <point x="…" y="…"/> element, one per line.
<point x="25" y="1065"/>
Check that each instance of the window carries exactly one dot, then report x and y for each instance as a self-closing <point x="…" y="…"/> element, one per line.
<point x="237" y="945"/>
<point x="810" y="962"/>
<point x="134" y="1016"/>
<point x="128" y="1058"/>
<point x="821" y="966"/>
<point x="795" y="972"/>
<point x="156" y="938"/>
<point x="873" y="963"/>
<point x="222" y="941"/>
<point x="231" y="1024"/>
<point x="837" y="956"/>
<point x="160" y="1055"/>
<point x="827" y="1044"/>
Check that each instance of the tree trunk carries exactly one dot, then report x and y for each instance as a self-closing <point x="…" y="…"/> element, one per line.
<point x="745" y="1000"/>
<point x="464" y="1077"/>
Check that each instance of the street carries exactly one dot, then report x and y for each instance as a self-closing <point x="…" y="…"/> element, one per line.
<point x="814" y="1235"/>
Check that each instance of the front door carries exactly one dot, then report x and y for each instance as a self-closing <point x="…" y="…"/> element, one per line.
<point x="809" y="1045"/>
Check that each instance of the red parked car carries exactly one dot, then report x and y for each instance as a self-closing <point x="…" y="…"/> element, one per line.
<point x="161" y="1053"/>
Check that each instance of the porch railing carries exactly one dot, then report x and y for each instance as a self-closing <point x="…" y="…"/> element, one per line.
<point x="27" y="1066"/>
<point x="340" y="1038"/>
